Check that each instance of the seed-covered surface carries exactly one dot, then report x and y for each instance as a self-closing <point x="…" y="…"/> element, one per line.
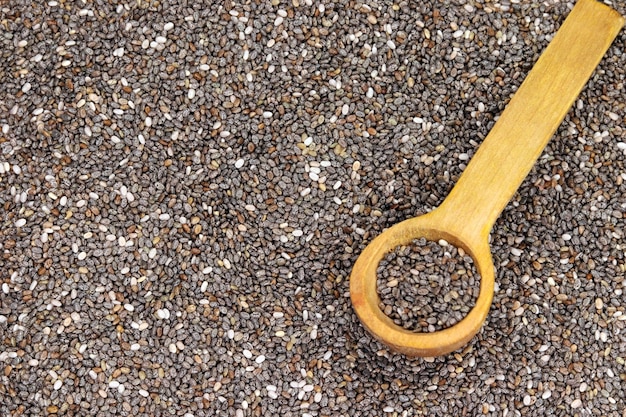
<point x="185" y="186"/>
<point x="427" y="286"/>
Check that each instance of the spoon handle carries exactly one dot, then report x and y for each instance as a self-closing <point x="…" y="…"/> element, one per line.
<point x="532" y="116"/>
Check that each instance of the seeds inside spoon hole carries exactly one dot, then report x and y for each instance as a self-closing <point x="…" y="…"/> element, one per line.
<point x="427" y="286"/>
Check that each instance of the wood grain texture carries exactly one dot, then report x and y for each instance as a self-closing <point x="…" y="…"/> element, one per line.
<point x="530" y="119"/>
<point x="491" y="178"/>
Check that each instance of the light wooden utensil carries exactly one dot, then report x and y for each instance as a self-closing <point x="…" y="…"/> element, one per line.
<point x="493" y="175"/>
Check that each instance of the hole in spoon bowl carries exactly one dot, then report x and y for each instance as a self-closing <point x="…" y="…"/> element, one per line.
<point x="427" y="286"/>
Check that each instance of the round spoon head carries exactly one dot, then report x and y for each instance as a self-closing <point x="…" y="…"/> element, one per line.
<point x="365" y="297"/>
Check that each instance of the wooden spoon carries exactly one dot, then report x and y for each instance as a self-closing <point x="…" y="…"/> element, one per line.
<point x="501" y="163"/>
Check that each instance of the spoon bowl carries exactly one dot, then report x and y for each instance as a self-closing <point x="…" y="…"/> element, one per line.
<point x="366" y="302"/>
